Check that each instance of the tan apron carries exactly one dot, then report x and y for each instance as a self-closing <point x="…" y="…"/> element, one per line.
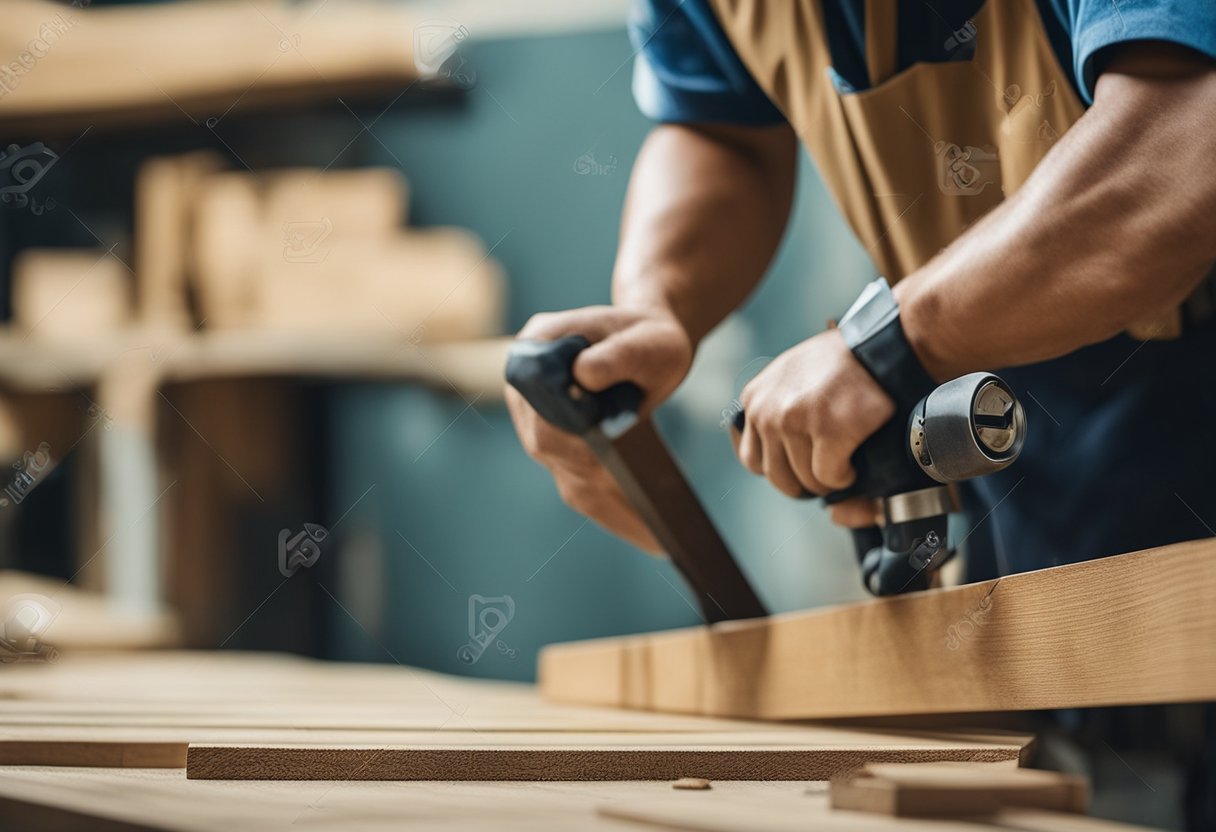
<point x="924" y="153"/>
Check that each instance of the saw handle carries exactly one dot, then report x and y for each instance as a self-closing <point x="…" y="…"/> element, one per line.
<point x="543" y="373"/>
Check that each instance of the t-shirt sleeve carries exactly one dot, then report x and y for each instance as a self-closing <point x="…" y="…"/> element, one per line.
<point x="1098" y="25"/>
<point x="685" y="69"/>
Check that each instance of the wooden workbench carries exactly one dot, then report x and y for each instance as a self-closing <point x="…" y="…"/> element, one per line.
<point x="99" y="741"/>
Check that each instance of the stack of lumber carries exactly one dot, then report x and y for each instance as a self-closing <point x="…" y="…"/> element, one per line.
<point x="292" y="250"/>
<point x="171" y="741"/>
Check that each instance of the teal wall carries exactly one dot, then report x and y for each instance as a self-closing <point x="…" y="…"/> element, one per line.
<point x="457" y="508"/>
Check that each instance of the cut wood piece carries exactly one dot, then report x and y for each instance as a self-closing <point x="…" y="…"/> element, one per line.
<point x="165" y="192"/>
<point x="70" y="294"/>
<point x="576" y="756"/>
<point x="937" y="789"/>
<point x="1133" y="629"/>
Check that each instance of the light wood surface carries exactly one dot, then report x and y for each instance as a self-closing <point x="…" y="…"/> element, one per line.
<point x="113" y="800"/>
<point x="1133" y="629"/>
<point x="277" y="717"/>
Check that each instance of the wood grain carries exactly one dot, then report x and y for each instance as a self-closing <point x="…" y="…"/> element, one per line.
<point x="574" y="756"/>
<point x="1133" y="629"/>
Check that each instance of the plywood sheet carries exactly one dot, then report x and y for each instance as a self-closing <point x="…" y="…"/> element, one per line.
<point x="1133" y="629"/>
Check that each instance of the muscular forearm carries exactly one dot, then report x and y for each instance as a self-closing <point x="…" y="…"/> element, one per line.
<point x="1118" y="222"/>
<point x="706" y="209"/>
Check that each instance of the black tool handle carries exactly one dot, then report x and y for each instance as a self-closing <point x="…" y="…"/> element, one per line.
<point x="883" y="464"/>
<point x="543" y="372"/>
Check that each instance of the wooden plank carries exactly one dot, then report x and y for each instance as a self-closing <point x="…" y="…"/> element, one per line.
<point x="1133" y="629"/>
<point x="811" y="754"/>
<point x="144" y="709"/>
<point x="954" y="789"/>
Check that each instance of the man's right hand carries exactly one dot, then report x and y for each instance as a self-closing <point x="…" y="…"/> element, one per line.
<point x="647" y="347"/>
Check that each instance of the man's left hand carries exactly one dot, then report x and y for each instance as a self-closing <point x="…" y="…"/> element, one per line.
<point x="806" y="414"/>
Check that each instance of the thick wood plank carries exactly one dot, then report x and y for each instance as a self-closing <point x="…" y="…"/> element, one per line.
<point x="1134" y="629"/>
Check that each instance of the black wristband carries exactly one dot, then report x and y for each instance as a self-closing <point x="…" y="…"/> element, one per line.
<point x="890" y="359"/>
<point x="872" y="330"/>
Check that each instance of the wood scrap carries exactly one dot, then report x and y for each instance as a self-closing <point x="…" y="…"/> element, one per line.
<point x="1138" y="628"/>
<point x="949" y="789"/>
<point x="70" y="294"/>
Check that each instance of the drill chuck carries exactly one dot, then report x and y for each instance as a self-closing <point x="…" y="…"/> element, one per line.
<point x="967" y="428"/>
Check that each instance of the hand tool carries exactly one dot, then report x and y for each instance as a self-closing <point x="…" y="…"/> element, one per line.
<point x="630" y="448"/>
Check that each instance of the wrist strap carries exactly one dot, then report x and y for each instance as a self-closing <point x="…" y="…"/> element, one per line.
<point x="873" y="331"/>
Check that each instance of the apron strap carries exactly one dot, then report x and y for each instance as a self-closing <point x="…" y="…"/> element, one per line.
<point x="882" y="39"/>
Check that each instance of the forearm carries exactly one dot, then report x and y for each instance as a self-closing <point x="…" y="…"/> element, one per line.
<point x="1118" y="222"/>
<point x="706" y="210"/>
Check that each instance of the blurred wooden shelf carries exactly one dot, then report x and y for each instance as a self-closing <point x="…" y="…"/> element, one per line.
<point x="195" y="60"/>
<point x="472" y="368"/>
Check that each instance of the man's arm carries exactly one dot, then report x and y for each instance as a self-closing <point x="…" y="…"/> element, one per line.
<point x="1116" y="223"/>
<point x="706" y="209"/>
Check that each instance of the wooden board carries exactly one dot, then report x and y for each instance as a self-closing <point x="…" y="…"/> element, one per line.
<point x="275" y="716"/>
<point x="112" y="800"/>
<point x="1134" y="629"/>
<point x="955" y="789"/>
<point x="808" y="754"/>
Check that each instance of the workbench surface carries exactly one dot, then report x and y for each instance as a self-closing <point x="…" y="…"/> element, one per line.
<point x="99" y="742"/>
